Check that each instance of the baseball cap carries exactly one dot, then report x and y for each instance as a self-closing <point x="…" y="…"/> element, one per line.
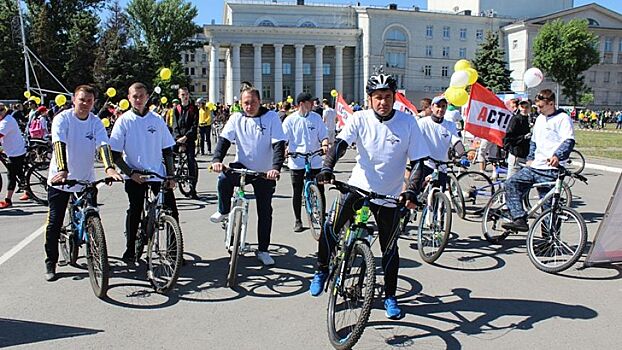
<point x="436" y="100"/>
<point x="42" y="109"/>
<point x="303" y="97"/>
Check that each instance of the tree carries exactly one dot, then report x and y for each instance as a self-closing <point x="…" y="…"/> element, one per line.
<point x="12" y="79"/>
<point x="491" y="66"/>
<point x="563" y="51"/>
<point x="81" y="49"/>
<point x="586" y="99"/>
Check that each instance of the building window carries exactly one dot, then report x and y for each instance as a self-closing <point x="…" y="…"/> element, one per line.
<point x="463" y="34"/>
<point x="266" y="92"/>
<point x="306" y="68"/>
<point x="427" y="71"/>
<point x="592" y="77"/>
<point x="608" y="44"/>
<point x="446" y="51"/>
<point x="428" y="31"/>
<point x="191" y="57"/>
<point x="462" y="53"/>
<point x="266" y="23"/>
<point x="186" y="58"/>
<point x="395" y="59"/>
<point x="326" y="68"/>
<point x="191" y="88"/>
<point x="287" y="91"/>
<point x="306" y="89"/>
<point x="203" y="71"/>
<point x="514" y="44"/>
<point x="428" y="51"/>
<point x="187" y="71"/>
<point x="203" y="57"/>
<point x="479" y="34"/>
<point x="607" y="77"/>
<point x="203" y="88"/>
<point x="619" y="78"/>
<point x="446" y="32"/>
<point x="265" y="68"/>
<point x="396" y="34"/>
<point x="287" y="69"/>
<point x="444" y="71"/>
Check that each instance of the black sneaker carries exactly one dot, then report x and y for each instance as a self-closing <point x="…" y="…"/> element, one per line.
<point x="519" y="225"/>
<point x="298" y="226"/>
<point x="129" y="258"/>
<point x="50" y="272"/>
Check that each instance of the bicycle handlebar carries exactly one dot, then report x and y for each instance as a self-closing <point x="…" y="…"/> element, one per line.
<point x="345" y="187"/>
<point x="73" y="182"/>
<point x="153" y="174"/>
<point x="309" y="154"/>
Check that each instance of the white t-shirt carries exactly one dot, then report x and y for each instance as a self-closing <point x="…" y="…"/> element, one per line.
<point x="12" y="140"/>
<point x="304" y="135"/>
<point x="453" y="116"/>
<point x="548" y="134"/>
<point x="383" y="150"/>
<point x="141" y="139"/>
<point x="440" y="137"/>
<point x="329" y="116"/>
<point x="253" y="138"/>
<point x="82" y="138"/>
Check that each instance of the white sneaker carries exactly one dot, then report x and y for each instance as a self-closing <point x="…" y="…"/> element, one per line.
<point x="217" y="217"/>
<point x="265" y="258"/>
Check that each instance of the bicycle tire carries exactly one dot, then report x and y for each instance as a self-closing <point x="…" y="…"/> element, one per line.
<point x="0" y="182"/>
<point x="97" y="256"/>
<point x="436" y="236"/>
<point x="540" y="241"/>
<point x="477" y="189"/>
<point x="315" y="214"/>
<point x="235" y="249"/>
<point x="495" y="214"/>
<point x="68" y="247"/>
<point x="37" y="185"/>
<point x="168" y="260"/>
<point x="576" y="162"/>
<point x="346" y="337"/>
<point x="184" y="183"/>
<point x="532" y="196"/>
<point x="457" y="197"/>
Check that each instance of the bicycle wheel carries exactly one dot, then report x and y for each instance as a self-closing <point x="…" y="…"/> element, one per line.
<point x="234" y="250"/>
<point x="532" y="197"/>
<point x="315" y="210"/>
<point x="457" y="197"/>
<point x="37" y="185"/>
<point x="0" y="182"/>
<point x="576" y="162"/>
<point x="68" y="246"/>
<point x="183" y="182"/>
<point x="495" y="214"/>
<point x="556" y="240"/>
<point x="477" y="188"/>
<point x="165" y="253"/>
<point x="97" y="256"/>
<point x="351" y="293"/>
<point x="434" y="228"/>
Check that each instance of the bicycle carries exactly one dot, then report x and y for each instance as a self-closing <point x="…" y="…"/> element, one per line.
<point x="162" y="235"/>
<point x="544" y="237"/>
<point x="34" y="181"/>
<point x="352" y="272"/>
<point x="84" y="227"/>
<point x="314" y="205"/>
<point x="575" y="162"/>
<point x="182" y="173"/>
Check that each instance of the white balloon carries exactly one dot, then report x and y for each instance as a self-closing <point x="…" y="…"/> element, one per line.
<point x="157" y="89"/>
<point x="517" y="86"/>
<point x="533" y="77"/>
<point x="459" y="79"/>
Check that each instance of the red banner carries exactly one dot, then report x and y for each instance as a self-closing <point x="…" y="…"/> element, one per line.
<point x="402" y="104"/>
<point x="343" y="111"/>
<point x="487" y="116"/>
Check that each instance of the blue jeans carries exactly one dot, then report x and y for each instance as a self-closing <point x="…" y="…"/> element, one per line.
<point x="520" y="183"/>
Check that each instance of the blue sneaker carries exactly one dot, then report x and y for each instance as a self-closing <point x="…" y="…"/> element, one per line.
<point x="317" y="285"/>
<point x="392" y="311"/>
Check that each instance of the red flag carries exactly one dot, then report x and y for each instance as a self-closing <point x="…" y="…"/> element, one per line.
<point x="343" y="111"/>
<point x="402" y="104"/>
<point x="486" y="116"/>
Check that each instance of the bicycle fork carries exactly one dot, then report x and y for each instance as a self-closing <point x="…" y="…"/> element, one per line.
<point x="243" y="210"/>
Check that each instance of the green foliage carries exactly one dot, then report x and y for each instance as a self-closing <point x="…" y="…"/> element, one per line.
<point x="12" y="80"/>
<point x="563" y="51"/>
<point x="81" y="49"/>
<point x="586" y="99"/>
<point x="491" y="66"/>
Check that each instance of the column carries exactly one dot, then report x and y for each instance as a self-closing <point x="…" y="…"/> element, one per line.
<point x="229" y="76"/>
<point x="319" y="71"/>
<point x="339" y="69"/>
<point x="357" y="74"/>
<point x="278" y="72"/>
<point x="299" y="72"/>
<point x="235" y="57"/>
<point x="214" y="88"/>
<point x="257" y="67"/>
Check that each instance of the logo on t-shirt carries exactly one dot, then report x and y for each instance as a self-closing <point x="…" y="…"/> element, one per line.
<point x="393" y="139"/>
<point x="261" y="128"/>
<point x="152" y="129"/>
<point x="89" y="135"/>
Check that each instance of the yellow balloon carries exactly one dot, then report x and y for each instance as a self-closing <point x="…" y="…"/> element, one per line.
<point x="106" y="122"/>
<point x="334" y="93"/>
<point x="472" y="75"/>
<point x="163" y="100"/>
<point x="462" y="65"/>
<point x="111" y="92"/>
<point x="124" y="104"/>
<point x="27" y="94"/>
<point x="60" y="100"/>
<point x="456" y="96"/>
<point x="37" y="100"/>
<point x="32" y="98"/>
<point x="165" y="74"/>
<point x="290" y="100"/>
<point x="210" y="105"/>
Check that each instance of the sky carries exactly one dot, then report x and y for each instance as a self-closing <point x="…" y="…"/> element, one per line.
<point x="213" y="9"/>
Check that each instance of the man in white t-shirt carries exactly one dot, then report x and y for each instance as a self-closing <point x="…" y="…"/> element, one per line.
<point x="305" y="133"/>
<point x="330" y="120"/>
<point x="551" y="143"/>
<point x="140" y="140"/>
<point x="76" y="135"/>
<point x="14" y="146"/>
<point x="260" y="146"/>
<point x="386" y="139"/>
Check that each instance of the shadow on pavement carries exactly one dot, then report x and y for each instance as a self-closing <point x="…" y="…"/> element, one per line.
<point x="19" y="332"/>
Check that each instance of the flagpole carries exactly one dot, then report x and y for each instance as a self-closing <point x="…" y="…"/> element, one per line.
<point x="23" y="34"/>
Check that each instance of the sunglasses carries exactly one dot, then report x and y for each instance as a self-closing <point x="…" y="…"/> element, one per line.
<point x="543" y="98"/>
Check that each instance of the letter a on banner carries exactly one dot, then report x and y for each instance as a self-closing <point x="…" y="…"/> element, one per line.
<point x="343" y="111"/>
<point x="486" y="116"/>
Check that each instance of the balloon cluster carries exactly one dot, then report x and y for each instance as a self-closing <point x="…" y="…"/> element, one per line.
<point x="211" y="106"/>
<point x="464" y="75"/>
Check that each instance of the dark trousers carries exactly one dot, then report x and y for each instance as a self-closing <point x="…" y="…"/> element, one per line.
<point x="206" y="136"/>
<point x="193" y="168"/>
<point x="387" y="220"/>
<point x="136" y="194"/>
<point x="57" y="206"/>
<point x="298" y="181"/>
<point x="520" y="183"/>
<point x="15" y="171"/>
<point x="442" y="177"/>
<point x="264" y="189"/>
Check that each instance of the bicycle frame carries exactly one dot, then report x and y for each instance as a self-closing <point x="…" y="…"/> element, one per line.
<point x="239" y="203"/>
<point x="80" y="208"/>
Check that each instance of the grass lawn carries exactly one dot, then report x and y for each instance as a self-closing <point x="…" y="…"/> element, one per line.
<point x="599" y="144"/>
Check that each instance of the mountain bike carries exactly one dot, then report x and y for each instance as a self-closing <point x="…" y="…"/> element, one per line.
<point x="576" y="162"/>
<point x="84" y="227"/>
<point x="314" y="205"/>
<point x="34" y="181"/>
<point x="182" y="172"/>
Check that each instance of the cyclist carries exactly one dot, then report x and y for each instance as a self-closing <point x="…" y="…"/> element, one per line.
<point x="14" y="147"/>
<point x="185" y="129"/>
<point x="140" y="140"/>
<point x="205" y="126"/>
<point x="306" y="132"/>
<point x="260" y="146"/>
<point x="551" y="143"/>
<point x="385" y="140"/>
<point x="76" y="134"/>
